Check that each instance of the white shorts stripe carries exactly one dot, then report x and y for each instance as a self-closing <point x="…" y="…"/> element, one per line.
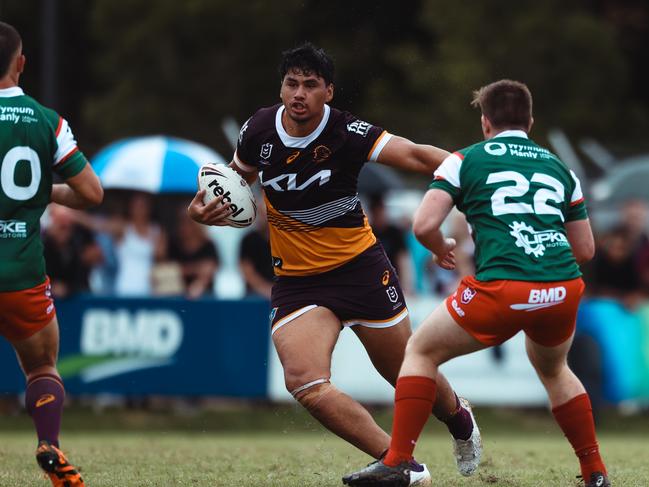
<point x="292" y="316"/>
<point x="378" y="324"/>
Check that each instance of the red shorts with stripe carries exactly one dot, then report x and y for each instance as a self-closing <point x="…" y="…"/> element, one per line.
<point x="26" y="312"/>
<point x="494" y="311"/>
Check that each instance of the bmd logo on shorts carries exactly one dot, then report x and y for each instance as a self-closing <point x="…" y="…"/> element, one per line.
<point x="542" y="298"/>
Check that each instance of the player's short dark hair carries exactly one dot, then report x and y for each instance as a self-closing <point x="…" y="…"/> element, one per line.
<point x="506" y="103"/>
<point x="308" y="59"/>
<point x="10" y="41"/>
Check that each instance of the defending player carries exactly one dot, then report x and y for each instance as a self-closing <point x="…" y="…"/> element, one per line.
<point x="531" y="231"/>
<point x="331" y="272"/>
<point x="35" y="142"/>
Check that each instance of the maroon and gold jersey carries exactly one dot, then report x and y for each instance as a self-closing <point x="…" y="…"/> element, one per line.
<point x="310" y="187"/>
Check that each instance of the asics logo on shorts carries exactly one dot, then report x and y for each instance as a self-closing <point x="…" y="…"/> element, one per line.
<point x="385" y="278"/>
<point x="542" y="298"/>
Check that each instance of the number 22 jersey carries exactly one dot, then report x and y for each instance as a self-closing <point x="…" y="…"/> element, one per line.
<point x="316" y="221"/>
<point x="517" y="198"/>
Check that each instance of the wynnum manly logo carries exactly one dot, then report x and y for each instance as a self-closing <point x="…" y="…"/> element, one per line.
<point x="218" y="190"/>
<point x="535" y="242"/>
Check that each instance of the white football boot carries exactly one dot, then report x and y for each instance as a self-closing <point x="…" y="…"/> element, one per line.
<point x="419" y="475"/>
<point x="468" y="452"/>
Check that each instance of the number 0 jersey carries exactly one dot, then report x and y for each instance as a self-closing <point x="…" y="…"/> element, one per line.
<point x="34" y="142"/>
<point x="517" y="197"/>
<point x="315" y="218"/>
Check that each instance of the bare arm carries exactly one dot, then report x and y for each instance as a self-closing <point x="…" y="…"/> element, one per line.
<point x="79" y="192"/>
<point x="405" y="154"/>
<point x="214" y="213"/>
<point x="432" y="211"/>
<point x="580" y="236"/>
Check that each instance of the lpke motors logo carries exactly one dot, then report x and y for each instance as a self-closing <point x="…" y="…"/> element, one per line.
<point x="13" y="229"/>
<point x="115" y="342"/>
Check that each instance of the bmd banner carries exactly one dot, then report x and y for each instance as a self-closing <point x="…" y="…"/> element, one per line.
<point x="157" y="346"/>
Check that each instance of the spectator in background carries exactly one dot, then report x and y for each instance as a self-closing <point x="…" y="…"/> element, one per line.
<point x="195" y="254"/>
<point x="635" y="217"/>
<point x="393" y="239"/>
<point x="617" y="269"/>
<point x="70" y="252"/>
<point x="255" y="260"/>
<point x="137" y="243"/>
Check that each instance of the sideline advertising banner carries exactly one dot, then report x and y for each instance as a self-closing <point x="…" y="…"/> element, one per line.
<point x="157" y="346"/>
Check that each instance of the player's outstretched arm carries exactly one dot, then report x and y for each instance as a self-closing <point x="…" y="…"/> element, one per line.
<point x="432" y="211"/>
<point x="405" y="154"/>
<point x="79" y="192"/>
<point x="580" y="236"/>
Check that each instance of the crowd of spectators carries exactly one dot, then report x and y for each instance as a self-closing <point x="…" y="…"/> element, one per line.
<point x="130" y="253"/>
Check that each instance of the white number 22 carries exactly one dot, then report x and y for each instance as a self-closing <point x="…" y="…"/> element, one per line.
<point x="520" y="187"/>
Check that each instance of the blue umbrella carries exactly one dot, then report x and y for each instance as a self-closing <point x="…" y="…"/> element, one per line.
<point x="155" y="164"/>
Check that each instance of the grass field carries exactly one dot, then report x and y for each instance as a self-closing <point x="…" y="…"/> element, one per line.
<point x="282" y="447"/>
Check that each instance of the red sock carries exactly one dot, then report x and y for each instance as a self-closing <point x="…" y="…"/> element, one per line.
<point x="413" y="404"/>
<point x="575" y="418"/>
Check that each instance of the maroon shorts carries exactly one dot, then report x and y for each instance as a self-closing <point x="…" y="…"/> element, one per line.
<point x="364" y="291"/>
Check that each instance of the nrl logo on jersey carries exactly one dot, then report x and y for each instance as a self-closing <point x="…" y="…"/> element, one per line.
<point x="266" y="149"/>
<point x="13" y="229"/>
<point x="535" y="242"/>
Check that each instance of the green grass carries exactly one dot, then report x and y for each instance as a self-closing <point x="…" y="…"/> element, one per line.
<point x="282" y="447"/>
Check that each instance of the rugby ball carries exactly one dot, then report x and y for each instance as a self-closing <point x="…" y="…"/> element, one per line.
<point x="220" y="180"/>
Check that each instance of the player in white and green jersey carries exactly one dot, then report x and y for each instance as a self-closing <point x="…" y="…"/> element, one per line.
<point x="516" y="196"/>
<point x="35" y="143"/>
<point x="531" y="230"/>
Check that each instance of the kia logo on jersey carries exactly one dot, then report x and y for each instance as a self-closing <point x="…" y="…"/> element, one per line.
<point x="288" y="182"/>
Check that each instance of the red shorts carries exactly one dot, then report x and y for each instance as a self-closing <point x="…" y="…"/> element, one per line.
<point x="494" y="311"/>
<point x="26" y="312"/>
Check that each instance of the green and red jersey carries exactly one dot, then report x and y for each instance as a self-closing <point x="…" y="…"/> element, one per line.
<point x="517" y="197"/>
<point x="35" y="142"/>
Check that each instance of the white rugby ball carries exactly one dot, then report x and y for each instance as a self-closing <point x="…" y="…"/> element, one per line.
<point x="220" y="180"/>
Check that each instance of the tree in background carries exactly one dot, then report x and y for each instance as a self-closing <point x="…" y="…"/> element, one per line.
<point x="138" y="67"/>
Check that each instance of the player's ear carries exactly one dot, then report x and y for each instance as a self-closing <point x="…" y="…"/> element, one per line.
<point x="486" y="126"/>
<point x="20" y="63"/>
<point x="529" y="127"/>
<point x="330" y="92"/>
